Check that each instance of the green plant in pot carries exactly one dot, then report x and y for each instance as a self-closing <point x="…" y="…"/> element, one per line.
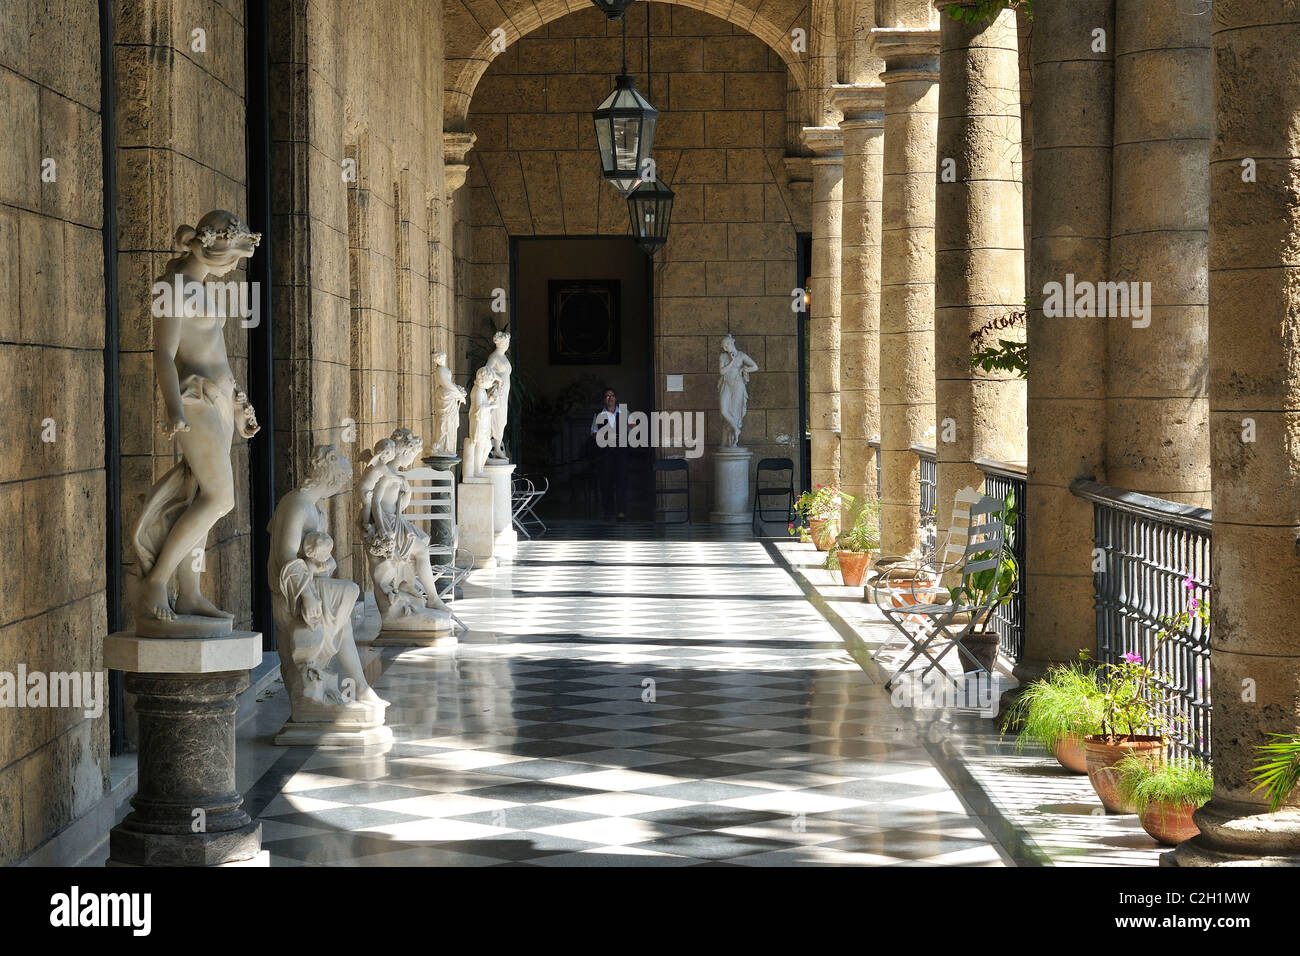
<point x="1057" y="712"/>
<point x="855" y="548"/>
<point x="991" y="587"/>
<point x="820" y="507"/>
<point x="1165" y="795"/>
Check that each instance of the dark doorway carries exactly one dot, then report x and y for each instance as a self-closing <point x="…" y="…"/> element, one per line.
<point x="581" y="324"/>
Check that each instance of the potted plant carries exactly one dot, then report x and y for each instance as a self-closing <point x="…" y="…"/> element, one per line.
<point x="991" y="587"/>
<point x="1165" y="794"/>
<point x="821" y="507"/>
<point x="1278" y="769"/>
<point x="855" y="548"/>
<point x="1057" y="712"/>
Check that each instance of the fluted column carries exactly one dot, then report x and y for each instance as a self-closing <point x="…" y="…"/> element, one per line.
<point x="863" y="126"/>
<point x="1254" y="354"/>
<point x="979" y="246"/>
<point x="1158" y="409"/>
<point x="826" y="142"/>
<point x="1073" y="96"/>
<point x="911" y="78"/>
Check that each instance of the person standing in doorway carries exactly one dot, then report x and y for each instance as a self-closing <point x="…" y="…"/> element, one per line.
<point x="611" y="459"/>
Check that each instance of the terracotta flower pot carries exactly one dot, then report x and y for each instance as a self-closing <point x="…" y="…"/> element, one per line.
<point x="854" y="566"/>
<point x="824" y="532"/>
<point x="984" y="645"/>
<point x="1169" y="823"/>
<point x="1103" y="755"/>
<point x="1070" y="754"/>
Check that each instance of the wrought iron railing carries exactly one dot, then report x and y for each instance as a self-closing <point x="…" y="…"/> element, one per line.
<point x="1009" y="619"/>
<point x="929" y="481"/>
<point x="1147" y="551"/>
<point x="874" y="442"/>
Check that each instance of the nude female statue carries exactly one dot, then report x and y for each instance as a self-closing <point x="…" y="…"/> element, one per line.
<point x="448" y="397"/>
<point x="482" y="408"/>
<point x="312" y="608"/>
<point x="734" y="367"/>
<point x="499" y="366"/>
<point x="204" y="409"/>
<point x="405" y="586"/>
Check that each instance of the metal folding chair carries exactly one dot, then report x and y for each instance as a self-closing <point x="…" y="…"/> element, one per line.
<point x="774" y="488"/>
<point x="433" y="505"/>
<point x="524" y="496"/>
<point x="669" y="466"/>
<point x="930" y="627"/>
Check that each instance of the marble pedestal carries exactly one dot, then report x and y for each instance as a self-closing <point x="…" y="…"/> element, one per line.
<point x="503" y="526"/>
<point x="442" y="461"/>
<point x="187" y="809"/>
<point x="731" y="486"/>
<point x="474" y="515"/>
<point x="340" y="734"/>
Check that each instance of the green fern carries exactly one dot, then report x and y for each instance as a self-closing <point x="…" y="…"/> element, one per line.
<point x="1182" y="783"/>
<point x="1278" y="769"/>
<point x="1065" y="703"/>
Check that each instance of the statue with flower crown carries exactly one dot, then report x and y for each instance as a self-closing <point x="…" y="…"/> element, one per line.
<point x="204" y="409"/>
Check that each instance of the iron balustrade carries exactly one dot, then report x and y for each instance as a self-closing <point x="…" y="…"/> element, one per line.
<point x="1146" y="549"/>
<point x="1001" y="478"/>
<point x="928" y="476"/>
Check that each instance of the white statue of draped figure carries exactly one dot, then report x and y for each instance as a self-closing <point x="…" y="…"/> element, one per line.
<point x="483" y="403"/>
<point x="313" y="608"/>
<point x="500" y="368"/>
<point x="204" y="408"/>
<point x="397" y="551"/>
<point x="734" y="367"/>
<point x="448" y="397"/>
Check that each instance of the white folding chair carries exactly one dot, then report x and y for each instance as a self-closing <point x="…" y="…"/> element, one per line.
<point x="433" y="506"/>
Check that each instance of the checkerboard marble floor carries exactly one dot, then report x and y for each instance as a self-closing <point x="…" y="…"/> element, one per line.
<point x="641" y="702"/>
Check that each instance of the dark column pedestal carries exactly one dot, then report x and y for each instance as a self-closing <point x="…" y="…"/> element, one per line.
<point x="187" y="808"/>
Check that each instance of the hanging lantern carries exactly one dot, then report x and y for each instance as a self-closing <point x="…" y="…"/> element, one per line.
<point x="614" y="9"/>
<point x="650" y="207"/>
<point x="625" y="132"/>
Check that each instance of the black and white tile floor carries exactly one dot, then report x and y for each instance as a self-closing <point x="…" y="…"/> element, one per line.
<point x="670" y="702"/>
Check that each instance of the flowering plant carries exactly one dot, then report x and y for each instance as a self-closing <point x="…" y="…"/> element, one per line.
<point x="824" y="501"/>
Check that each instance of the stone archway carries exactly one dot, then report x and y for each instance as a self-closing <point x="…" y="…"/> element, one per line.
<point x="470" y="26"/>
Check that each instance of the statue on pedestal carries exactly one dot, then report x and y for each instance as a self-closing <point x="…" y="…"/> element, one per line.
<point x="484" y="400"/>
<point x="734" y="367"/>
<point x="313" y="609"/>
<point x="498" y="365"/>
<point x="447" y="399"/>
<point x="405" y="586"/>
<point x="204" y="409"/>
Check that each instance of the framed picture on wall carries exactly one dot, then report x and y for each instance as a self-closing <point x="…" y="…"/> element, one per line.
<point x="583" y="321"/>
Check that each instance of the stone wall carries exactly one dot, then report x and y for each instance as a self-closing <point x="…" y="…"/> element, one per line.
<point x="730" y="259"/>
<point x="53" y="761"/>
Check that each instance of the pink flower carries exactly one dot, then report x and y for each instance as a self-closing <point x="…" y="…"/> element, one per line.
<point x="1193" y="604"/>
<point x="1189" y="584"/>
<point x="1133" y="658"/>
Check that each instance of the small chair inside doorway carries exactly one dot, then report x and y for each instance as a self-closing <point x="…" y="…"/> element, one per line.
<point x="667" y="489"/>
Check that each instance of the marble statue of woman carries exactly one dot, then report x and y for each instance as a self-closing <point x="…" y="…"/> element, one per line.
<point x="204" y="409"/>
<point x="734" y="367"/>
<point x="405" y="586"/>
<point x="447" y="399"/>
<point x="483" y="403"/>
<point x="499" y="367"/>
<point x="313" y="609"/>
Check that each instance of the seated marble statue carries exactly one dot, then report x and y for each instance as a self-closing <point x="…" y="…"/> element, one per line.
<point x="313" y="609"/>
<point x="401" y="569"/>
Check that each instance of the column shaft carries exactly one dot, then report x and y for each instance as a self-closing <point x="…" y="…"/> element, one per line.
<point x="864" y="140"/>
<point x="1254" y="354"/>
<point x="911" y="78"/>
<point x="979" y="247"/>
<point x="1073" y="93"/>
<point x="824" y="317"/>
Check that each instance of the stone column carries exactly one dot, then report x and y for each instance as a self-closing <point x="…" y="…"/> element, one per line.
<point x="911" y="80"/>
<point x="1067" y="357"/>
<point x="1157" y="411"/>
<point x="979" y="257"/>
<point x="824" y="316"/>
<point x="863" y="127"/>
<point x="1253" y="356"/>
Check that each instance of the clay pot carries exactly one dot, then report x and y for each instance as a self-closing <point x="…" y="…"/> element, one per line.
<point x="1103" y="755"/>
<point x="1070" y="754"/>
<point x="823" y="531"/>
<point x="984" y="645"/>
<point x="1169" y="823"/>
<point x="900" y="591"/>
<point x="854" y="566"/>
